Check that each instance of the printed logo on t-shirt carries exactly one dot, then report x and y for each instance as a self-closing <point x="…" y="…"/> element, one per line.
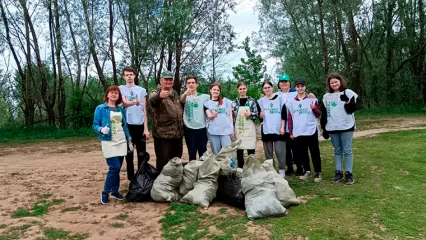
<point x="132" y="96"/>
<point x="190" y="109"/>
<point x="329" y="105"/>
<point x="272" y="110"/>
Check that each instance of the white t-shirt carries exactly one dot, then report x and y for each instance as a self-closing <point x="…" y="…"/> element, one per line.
<point x="271" y="109"/>
<point x="134" y="114"/>
<point x="194" y="116"/>
<point x="337" y="117"/>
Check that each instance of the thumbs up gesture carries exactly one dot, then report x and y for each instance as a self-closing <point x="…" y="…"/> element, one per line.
<point x="344" y="97"/>
<point x="136" y="101"/>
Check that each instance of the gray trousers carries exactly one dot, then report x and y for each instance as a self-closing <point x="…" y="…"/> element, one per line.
<point x="217" y="142"/>
<point x="280" y="151"/>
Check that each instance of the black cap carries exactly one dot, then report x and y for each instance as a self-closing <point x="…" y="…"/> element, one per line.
<point x="300" y="81"/>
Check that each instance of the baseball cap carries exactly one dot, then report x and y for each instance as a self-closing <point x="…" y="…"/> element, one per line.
<point x="300" y="81"/>
<point x="166" y="74"/>
<point x="284" y="77"/>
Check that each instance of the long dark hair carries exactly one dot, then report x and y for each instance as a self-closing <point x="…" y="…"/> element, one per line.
<point x="219" y="99"/>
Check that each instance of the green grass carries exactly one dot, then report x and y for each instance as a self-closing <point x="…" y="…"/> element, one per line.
<point x="38" y="209"/>
<point x="414" y="110"/>
<point x="18" y="133"/>
<point x="53" y="234"/>
<point x="14" y="232"/>
<point x="184" y="221"/>
<point x="122" y="216"/>
<point x="386" y="201"/>
<point x="71" y="209"/>
<point x="117" y="225"/>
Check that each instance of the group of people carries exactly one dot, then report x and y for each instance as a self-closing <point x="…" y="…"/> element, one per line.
<point x="289" y="125"/>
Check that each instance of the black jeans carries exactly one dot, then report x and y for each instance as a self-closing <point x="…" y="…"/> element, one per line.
<point x="196" y="141"/>
<point x="240" y="156"/>
<point x="301" y="145"/>
<point x="166" y="149"/>
<point x="138" y="140"/>
<point x="290" y="159"/>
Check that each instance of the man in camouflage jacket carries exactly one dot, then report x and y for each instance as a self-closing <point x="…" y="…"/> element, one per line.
<point x="167" y="121"/>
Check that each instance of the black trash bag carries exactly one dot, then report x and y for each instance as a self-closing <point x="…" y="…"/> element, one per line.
<point x="230" y="191"/>
<point x="141" y="184"/>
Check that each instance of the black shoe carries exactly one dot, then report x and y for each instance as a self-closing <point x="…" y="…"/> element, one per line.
<point x="299" y="172"/>
<point x="349" y="178"/>
<point x="104" y="198"/>
<point x="338" y="177"/>
<point x="289" y="172"/>
<point x="117" y="196"/>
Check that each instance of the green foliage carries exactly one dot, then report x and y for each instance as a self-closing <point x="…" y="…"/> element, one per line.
<point x="71" y="209"/>
<point x="53" y="234"/>
<point x="117" y="225"/>
<point x="122" y="216"/>
<point x="12" y="133"/>
<point x="38" y="209"/>
<point x="250" y="71"/>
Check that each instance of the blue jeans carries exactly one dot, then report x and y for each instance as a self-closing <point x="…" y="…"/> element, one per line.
<point x="112" y="181"/>
<point x="342" y="143"/>
<point x="217" y="142"/>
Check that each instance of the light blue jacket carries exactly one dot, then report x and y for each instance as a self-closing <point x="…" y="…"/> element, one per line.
<point x="103" y="118"/>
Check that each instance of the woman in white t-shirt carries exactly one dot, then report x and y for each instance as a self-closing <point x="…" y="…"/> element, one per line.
<point x="220" y="127"/>
<point x="338" y="122"/>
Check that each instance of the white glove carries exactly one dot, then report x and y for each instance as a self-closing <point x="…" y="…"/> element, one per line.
<point x="105" y="130"/>
<point x="130" y="146"/>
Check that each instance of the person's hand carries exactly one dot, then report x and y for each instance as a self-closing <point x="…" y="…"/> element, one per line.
<point x="147" y="134"/>
<point x="136" y="101"/>
<point x="164" y="94"/>
<point x="247" y="113"/>
<point x="188" y="92"/>
<point x="311" y="95"/>
<point x="130" y="144"/>
<point x="105" y="130"/>
<point x="262" y="114"/>
<point x="233" y="136"/>
<point x="291" y="137"/>
<point x="313" y="105"/>
<point x="282" y="130"/>
<point x="344" y="98"/>
<point x="325" y="134"/>
<point x="214" y="113"/>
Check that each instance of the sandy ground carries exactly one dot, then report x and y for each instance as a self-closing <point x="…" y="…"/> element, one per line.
<point x="75" y="172"/>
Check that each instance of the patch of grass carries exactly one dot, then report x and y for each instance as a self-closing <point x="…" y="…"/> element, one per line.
<point x="383" y="203"/>
<point x="71" y="209"/>
<point x="38" y="209"/>
<point x="15" y="232"/>
<point x="53" y="234"/>
<point x="117" y="225"/>
<point x="15" y="133"/>
<point x="121" y="216"/>
<point x="183" y="221"/>
<point x="223" y="210"/>
<point x="410" y="110"/>
<point x="3" y="226"/>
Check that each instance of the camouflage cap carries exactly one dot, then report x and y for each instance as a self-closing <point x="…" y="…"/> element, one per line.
<point x="166" y="74"/>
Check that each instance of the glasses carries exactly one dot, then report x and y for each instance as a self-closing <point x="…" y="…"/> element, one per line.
<point x="169" y="79"/>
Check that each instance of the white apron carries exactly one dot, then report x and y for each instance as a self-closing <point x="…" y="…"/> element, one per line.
<point x="117" y="147"/>
<point x="245" y="130"/>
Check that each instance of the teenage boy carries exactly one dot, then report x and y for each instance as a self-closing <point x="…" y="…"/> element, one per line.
<point x="302" y="123"/>
<point x="194" y="118"/>
<point x="135" y="106"/>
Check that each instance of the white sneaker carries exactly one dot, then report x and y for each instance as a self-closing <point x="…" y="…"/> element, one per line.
<point x="305" y="176"/>
<point x="282" y="173"/>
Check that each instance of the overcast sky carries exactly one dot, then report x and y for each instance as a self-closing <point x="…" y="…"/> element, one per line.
<point x="245" y="22"/>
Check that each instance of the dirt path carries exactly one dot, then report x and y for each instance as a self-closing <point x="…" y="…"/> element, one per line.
<point x="75" y="172"/>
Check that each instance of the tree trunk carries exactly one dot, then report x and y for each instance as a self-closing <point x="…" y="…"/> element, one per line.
<point x="49" y="101"/>
<point x="177" y="84"/>
<point x="111" y="41"/>
<point x="323" y="43"/>
<point x="61" y="90"/>
<point x="92" y="46"/>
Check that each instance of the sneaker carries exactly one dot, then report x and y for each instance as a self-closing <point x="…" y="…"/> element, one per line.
<point x="282" y="173"/>
<point x="318" y="177"/>
<point x="305" y="176"/>
<point x="338" y="177"/>
<point x="117" y="196"/>
<point x="104" y="198"/>
<point x="348" y="177"/>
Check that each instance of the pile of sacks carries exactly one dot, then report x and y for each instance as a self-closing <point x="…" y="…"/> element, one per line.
<point x="258" y="188"/>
